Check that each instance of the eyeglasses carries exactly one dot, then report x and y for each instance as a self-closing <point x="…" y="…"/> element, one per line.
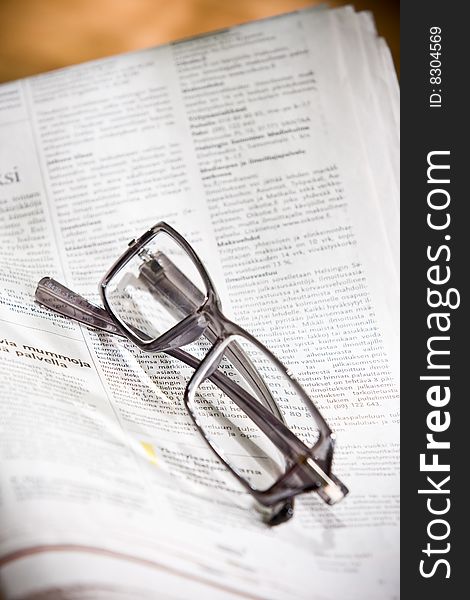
<point x="246" y="404"/>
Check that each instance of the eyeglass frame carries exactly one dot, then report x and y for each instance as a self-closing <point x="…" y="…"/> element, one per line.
<point x="315" y="461"/>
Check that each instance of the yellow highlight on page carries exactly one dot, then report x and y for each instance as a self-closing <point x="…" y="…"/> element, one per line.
<point x="150" y="452"/>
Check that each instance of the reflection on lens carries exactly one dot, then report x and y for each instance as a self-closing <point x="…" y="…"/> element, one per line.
<point x="156" y="289"/>
<point x="254" y="453"/>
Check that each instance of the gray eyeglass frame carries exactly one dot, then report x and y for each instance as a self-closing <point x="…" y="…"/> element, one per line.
<point x="307" y="468"/>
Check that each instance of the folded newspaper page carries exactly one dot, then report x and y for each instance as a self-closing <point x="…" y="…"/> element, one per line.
<point x="272" y="147"/>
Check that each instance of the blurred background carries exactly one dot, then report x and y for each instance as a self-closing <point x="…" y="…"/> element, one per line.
<point x="40" y="35"/>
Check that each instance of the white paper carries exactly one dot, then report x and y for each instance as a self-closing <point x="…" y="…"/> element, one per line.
<point x="244" y="143"/>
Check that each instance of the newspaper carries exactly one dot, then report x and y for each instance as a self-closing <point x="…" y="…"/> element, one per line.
<point x="272" y="148"/>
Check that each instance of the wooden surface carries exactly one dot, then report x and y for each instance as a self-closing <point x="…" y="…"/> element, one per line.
<point x="40" y="35"/>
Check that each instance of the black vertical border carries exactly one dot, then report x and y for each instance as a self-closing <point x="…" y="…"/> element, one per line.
<point x="426" y="129"/>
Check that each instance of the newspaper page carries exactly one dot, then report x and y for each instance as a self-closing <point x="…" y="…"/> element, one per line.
<point x="246" y="143"/>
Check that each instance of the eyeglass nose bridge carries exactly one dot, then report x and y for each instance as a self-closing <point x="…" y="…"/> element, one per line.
<point x="218" y="330"/>
<point x="188" y="337"/>
<point x="186" y="332"/>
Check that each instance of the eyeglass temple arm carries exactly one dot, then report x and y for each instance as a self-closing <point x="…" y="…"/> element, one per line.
<point x="181" y="297"/>
<point x="170" y="285"/>
<point x="64" y="301"/>
<point x="57" y="297"/>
